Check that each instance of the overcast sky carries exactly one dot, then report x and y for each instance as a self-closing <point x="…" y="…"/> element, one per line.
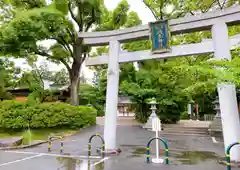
<point x="135" y="5"/>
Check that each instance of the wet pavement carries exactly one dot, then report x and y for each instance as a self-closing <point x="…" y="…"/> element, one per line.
<point x="185" y="152"/>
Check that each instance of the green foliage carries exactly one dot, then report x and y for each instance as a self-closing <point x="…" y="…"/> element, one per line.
<point x="60" y="78"/>
<point x="178" y="81"/>
<point x="23" y="4"/>
<point x="184" y="115"/>
<point x="16" y="115"/>
<point x="115" y="19"/>
<point x="9" y="77"/>
<point x="119" y="15"/>
<point x="171" y="9"/>
<point x="61" y="5"/>
<point x="29" y="22"/>
<point x="92" y="95"/>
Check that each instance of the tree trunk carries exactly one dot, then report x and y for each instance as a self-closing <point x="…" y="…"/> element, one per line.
<point x="74" y="88"/>
<point x="74" y="98"/>
<point x="75" y="74"/>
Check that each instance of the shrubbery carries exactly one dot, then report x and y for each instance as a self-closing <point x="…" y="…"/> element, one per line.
<point x="15" y="115"/>
<point x="167" y="114"/>
<point x="184" y="115"/>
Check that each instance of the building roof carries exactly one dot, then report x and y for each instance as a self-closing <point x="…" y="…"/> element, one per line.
<point x="124" y="99"/>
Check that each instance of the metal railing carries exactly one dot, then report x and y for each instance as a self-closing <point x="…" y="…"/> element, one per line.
<point x="208" y="117"/>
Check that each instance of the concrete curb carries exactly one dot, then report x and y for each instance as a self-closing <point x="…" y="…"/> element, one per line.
<point x="33" y="145"/>
<point x="23" y="146"/>
<point x="42" y="142"/>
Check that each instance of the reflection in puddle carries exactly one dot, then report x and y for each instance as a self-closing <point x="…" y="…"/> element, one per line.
<point x="195" y="157"/>
<point x="76" y="164"/>
<point x="99" y="166"/>
<point x="141" y="151"/>
<point x="177" y="156"/>
<point x="68" y="163"/>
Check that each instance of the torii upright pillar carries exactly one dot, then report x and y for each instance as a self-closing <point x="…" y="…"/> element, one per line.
<point x="110" y="124"/>
<point x="227" y="92"/>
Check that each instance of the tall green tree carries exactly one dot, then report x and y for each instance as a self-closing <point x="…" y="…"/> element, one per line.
<point x="57" y="20"/>
<point x="171" y="9"/>
<point x="9" y="76"/>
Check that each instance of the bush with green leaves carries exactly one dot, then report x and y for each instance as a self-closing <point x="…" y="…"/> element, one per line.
<point x="16" y="116"/>
<point x="184" y="115"/>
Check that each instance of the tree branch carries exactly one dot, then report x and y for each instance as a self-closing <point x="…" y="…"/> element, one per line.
<point x="210" y="7"/>
<point x="71" y="35"/>
<point x="149" y="7"/>
<point x="219" y="4"/>
<point x="73" y="16"/>
<point x="224" y="4"/>
<point x="66" y="46"/>
<point x="81" y="17"/>
<point x="40" y="76"/>
<point x="91" y="22"/>
<point x="84" y="57"/>
<point x="161" y="12"/>
<point x="191" y="13"/>
<point x="180" y="14"/>
<point x="42" y="53"/>
<point x="66" y="65"/>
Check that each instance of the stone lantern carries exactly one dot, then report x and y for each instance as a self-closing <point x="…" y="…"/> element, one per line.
<point x="215" y="128"/>
<point x="153" y="108"/>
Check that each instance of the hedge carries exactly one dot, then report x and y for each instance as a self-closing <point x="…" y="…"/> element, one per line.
<point x="15" y="115"/>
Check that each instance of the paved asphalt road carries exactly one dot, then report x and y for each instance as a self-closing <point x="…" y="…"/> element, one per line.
<point x="185" y="153"/>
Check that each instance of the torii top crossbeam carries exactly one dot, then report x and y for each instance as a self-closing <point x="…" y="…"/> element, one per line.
<point x="230" y="16"/>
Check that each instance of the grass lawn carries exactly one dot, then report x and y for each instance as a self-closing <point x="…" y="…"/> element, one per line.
<point x="40" y="134"/>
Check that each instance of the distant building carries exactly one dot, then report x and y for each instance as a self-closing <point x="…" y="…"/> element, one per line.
<point x="60" y="92"/>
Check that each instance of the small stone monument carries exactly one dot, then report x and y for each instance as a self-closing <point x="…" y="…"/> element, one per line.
<point x="215" y="128"/>
<point x="148" y="125"/>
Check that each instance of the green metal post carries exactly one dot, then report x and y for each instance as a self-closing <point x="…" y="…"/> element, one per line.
<point x="148" y="149"/>
<point x="89" y="149"/>
<point x="90" y="145"/>
<point x="61" y="147"/>
<point x="228" y="161"/>
<point x="148" y="154"/>
<point x="166" y="157"/>
<point x="103" y="150"/>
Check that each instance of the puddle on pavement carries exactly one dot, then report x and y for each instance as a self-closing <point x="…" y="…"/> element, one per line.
<point x="182" y="157"/>
<point x="195" y="157"/>
<point x="68" y="163"/>
<point x="73" y="164"/>
<point x="99" y="166"/>
<point x="141" y="151"/>
<point x="137" y="152"/>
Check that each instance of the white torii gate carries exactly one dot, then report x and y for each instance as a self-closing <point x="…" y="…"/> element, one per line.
<point x="220" y="45"/>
